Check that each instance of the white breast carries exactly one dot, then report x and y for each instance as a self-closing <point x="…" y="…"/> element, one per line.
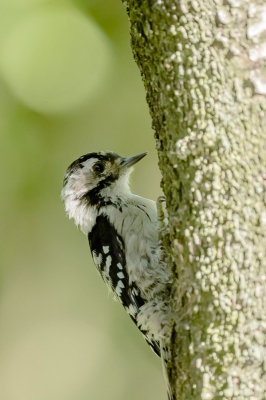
<point x="137" y="226"/>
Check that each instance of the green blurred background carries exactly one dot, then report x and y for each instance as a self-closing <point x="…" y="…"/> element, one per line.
<point x="68" y="86"/>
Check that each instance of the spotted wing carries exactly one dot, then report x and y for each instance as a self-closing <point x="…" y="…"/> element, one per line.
<point x="108" y="252"/>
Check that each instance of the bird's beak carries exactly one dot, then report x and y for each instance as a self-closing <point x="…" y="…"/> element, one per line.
<point x="130" y="161"/>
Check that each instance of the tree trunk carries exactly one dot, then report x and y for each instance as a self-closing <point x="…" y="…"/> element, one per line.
<point x="202" y="66"/>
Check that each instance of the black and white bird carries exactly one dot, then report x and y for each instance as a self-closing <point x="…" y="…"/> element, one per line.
<point x="123" y="234"/>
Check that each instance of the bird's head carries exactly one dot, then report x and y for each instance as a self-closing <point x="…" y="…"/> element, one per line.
<point x="98" y="175"/>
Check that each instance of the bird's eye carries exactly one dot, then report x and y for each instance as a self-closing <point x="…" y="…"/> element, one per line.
<point x="98" y="167"/>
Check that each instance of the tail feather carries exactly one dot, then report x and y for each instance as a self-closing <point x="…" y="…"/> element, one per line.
<point x="165" y="357"/>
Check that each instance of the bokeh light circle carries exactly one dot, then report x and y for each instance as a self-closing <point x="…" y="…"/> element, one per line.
<point x="55" y="59"/>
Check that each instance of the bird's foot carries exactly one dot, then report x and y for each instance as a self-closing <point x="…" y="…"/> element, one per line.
<point x="162" y="214"/>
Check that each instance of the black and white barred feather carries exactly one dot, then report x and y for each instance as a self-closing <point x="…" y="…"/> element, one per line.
<point x="122" y="229"/>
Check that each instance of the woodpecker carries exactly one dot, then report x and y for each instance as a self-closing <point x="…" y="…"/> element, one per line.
<point x="123" y="233"/>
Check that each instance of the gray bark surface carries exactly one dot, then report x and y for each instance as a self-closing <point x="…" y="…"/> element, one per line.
<point x="203" y="67"/>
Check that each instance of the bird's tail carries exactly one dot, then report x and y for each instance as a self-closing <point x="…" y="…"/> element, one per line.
<point x="165" y="357"/>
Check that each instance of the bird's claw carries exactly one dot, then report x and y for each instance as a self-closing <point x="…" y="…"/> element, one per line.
<point x="162" y="214"/>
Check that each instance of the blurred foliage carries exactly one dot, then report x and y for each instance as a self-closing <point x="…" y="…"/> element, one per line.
<point x="68" y="86"/>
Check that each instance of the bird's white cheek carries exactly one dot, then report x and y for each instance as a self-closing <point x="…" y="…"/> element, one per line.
<point x="80" y="184"/>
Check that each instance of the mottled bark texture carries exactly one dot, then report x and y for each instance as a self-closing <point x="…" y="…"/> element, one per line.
<point x="203" y="67"/>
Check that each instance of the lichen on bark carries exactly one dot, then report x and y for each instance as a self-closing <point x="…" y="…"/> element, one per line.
<point x="203" y="67"/>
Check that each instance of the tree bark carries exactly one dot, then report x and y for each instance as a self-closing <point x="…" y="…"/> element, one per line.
<point x="202" y="64"/>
